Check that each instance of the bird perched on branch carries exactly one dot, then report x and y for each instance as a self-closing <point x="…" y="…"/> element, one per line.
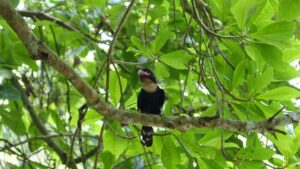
<point x="150" y="101"/>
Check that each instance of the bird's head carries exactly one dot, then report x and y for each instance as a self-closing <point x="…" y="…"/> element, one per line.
<point x="145" y="74"/>
<point x="148" y="80"/>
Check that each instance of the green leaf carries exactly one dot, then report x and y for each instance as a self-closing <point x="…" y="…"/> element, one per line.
<point x="17" y="56"/>
<point x="288" y="10"/>
<point x="170" y="155"/>
<point x="69" y="36"/>
<point x="15" y="3"/>
<point x="262" y="81"/>
<point x="9" y="92"/>
<point x="90" y="67"/>
<point x="239" y="73"/>
<point x="221" y="8"/>
<point x="207" y="152"/>
<point x="60" y="125"/>
<point x="34" y="144"/>
<point x="160" y="40"/>
<point x="285" y="145"/>
<point x="275" y="33"/>
<point x="212" y="138"/>
<point x="271" y="54"/>
<point x="288" y="73"/>
<point x="108" y="159"/>
<point x="268" y="109"/>
<point x="137" y="42"/>
<point x="254" y="52"/>
<point x="265" y="16"/>
<point x="177" y="59"/>
<point x="245" y="12"/>
<point x="21" y="56"/>
<point x="236" y="53"/>
<point x="5" y="73"/>
<point x="217" y="163"/>
<point x="280" y="93"/>
<point x="255" y="153"/>
<point x="142" y="49"/>
<point x="188" y="140"/>
<point x="14" y="121"/>
<point x="114" y="88"/>
<point x="253" y="141"/>
<point x="131" y="101"/>
<point x="250" y="164"/>
<point x="114" y="144"/>
<point x="95" y="3"/>
<point x="292" y="52"/>
<point x="161" y="70"/>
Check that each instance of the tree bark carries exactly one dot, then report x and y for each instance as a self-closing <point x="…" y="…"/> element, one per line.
<point x="39" y="51"/>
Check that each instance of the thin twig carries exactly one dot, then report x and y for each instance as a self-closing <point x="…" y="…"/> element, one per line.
<point x="198" y="19"/>
<point x="43" y="16"/>
<point x="44" y="137"/>
<point x="120" y="87"/>
<point x="39" y="124"/>
<point x="144" y="149"/>
<point x="119" y="135"/>
<point x="146" y="21"/>
<point x="132" y="63"/>
<point x="276" y="114"/>
<point x="146" y="156"/>
<point x="112" y="46"/>
<point x="100" y="143"/>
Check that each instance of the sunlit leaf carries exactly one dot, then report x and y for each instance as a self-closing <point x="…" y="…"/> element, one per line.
<point x="116" y="83"/>
<point x="161" y="70"/>
<point x="160" y="40"/>
<point x="262" y="81"/>
<point x="288" y="9"/>
<point x="114" y="144"/>
<point x="239" y="74"/>
<point x="169" y="154"/>
<point x="245" y="12"/>
<point x="250" y="164"/>
<point x="255" y="153"/>
<point x="270" y="54"/>
<point x="108" y="159"/>
<point x="142" y="49"/>
<point x="177" y="59"/>
<point x="275" y="33"/>
<point x="280" y="93"/>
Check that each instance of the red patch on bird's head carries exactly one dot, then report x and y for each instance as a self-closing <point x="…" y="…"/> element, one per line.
<point x="146" y="74"/>
<point x="142" y="73"/>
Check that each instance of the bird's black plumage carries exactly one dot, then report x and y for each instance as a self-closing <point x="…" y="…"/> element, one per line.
<point x="150" y="101"/>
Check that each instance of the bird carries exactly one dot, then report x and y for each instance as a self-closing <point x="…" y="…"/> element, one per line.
<point x="150" y="100"/>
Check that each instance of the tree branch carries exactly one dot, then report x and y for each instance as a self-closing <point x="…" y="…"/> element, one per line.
<point x="38" y="123"/>
<point x="43" y="16"/>
<point x="201" y="4"/>
<point x="112" y="46"/>
<point x="41" y="52"/>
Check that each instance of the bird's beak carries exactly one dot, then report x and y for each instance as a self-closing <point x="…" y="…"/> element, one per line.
<point x="142" y="73"/>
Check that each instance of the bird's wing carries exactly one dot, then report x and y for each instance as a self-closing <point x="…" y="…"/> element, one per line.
<point x="161" y="98"/>
<point x="140" y="101"/>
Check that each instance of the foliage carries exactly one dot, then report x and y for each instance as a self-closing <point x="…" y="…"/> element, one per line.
<point x="229" y="56"/>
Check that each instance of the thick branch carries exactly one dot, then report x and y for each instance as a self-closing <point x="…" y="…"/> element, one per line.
<point x="40" y="51"/>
